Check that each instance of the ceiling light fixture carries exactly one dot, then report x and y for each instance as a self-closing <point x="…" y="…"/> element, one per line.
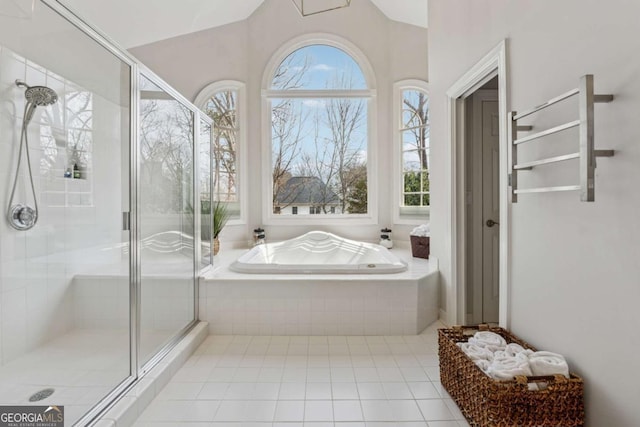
<point x="312" y="7"/>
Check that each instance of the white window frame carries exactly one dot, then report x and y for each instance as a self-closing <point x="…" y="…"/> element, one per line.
<point x="371" y="217"/>
<point x="420" y="214"/>
<point x="241" y="156"/>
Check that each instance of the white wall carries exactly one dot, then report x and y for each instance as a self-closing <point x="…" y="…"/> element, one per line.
<point x="575" y="282"/>
<point x="240" y="51"/>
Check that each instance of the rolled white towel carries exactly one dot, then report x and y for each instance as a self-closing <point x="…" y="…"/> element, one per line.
<point x="508" y="368"/>
<point x="548" y="363"/>
<point x="475" y="352"/>
<point x="501" y="354"/>
<point x="482" y="364"/>
<point x="514" y="349"/>
<point x="489" y="340"/>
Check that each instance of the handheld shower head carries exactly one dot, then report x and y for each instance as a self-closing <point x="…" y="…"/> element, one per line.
<point x="37" y="96"/>
<point x="41" y="96"/>
<point x="21" y="216"/>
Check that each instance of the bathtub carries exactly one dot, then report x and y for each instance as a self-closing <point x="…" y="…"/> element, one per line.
<point x="318" y="252"/>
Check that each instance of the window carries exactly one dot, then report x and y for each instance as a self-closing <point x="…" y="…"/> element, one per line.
<point x="224" y="103"/>
<point x="294" y="210"/>
<point x="318" y="102"/>
<point x="411" y="108"/>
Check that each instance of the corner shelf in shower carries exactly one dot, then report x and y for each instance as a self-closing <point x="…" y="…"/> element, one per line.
<point x="586" y="154"/>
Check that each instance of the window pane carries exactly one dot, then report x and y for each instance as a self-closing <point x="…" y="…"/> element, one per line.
<point x="425" y="181"/>
<point x="411" y="161"/>
<point x="318" y="67"/>
<point x="319" y="155"/>
<point x="415" y="108"/>
<point x="415" y="139"/>
<point x="412" y="200"/>
<point x="412" y="182"/>
<point x="222" y="109"/>
<point x="225" y="188"/>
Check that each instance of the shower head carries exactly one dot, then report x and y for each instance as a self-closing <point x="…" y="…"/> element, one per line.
<point x="41" y="96"/>
<point x="37" y="96"/>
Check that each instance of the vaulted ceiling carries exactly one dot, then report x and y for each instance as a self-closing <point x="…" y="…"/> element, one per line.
<point x="137" y="22"/>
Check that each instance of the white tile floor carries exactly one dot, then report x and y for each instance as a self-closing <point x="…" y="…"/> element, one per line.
<point x="308" y="381"/>
<point x="82" y="366"/>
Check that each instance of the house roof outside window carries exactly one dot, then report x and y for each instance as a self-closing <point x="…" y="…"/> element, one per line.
<point x="306" y="190"/>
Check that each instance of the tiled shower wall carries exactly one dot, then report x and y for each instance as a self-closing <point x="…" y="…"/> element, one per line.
<point x="37" y="266"/>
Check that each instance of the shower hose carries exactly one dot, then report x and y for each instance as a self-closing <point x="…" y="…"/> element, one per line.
<point x="24" y="213"/>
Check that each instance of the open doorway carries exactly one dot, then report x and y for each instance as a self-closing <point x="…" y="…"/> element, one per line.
<point x="480" y="216"/>
<point x="482" y="208"/>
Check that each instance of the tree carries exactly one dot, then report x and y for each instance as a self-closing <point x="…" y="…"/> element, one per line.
<point x="338" y="143"/>
<point x="317" y="141"/>
<point x="221" y="107"/>
<point x="345" y="117"/>
<point x="166" y="151"/>
<point x="357" y="192"/>
<point x="418" y="122"/>
<point x="416" y="182"/>
<point x="416" y="118"/>
<point x="287" y="118"/>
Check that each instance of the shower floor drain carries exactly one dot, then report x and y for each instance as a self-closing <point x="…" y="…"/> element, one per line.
<point x="41" y="395"/>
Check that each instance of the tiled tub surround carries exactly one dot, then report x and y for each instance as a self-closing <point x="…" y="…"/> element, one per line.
<point x="329" y="304"/>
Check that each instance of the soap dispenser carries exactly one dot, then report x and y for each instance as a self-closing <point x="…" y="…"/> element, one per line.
<point x="385" y="238"/>
<point x="258" y="236"/>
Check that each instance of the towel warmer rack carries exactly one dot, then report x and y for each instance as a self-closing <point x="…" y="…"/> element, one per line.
<point x="586" y="154"/>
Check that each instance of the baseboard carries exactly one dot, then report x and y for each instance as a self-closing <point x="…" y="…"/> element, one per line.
<point x="443" y="317"/>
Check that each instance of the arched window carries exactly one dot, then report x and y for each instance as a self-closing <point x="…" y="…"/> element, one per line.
<point x="224" y="102"/>
<point x="318" y="98"/>
<point x="411" y="111"/>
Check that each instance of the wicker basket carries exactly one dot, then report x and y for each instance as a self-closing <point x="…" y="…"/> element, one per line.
<point x="488" y="402"/>
<point x="420" y="246"/>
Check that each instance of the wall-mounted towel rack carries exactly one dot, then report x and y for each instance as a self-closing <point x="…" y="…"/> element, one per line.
<point x="586" y="153"/>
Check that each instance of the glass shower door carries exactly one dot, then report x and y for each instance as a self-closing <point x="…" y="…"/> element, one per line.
<point x="64" y="284"/>
<point x="167" y="219"/>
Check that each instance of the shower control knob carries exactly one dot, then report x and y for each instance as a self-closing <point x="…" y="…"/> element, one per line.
<point x="22" y="217"/>
<point x="26" y="215"/>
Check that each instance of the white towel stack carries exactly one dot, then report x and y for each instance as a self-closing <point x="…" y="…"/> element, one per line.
<point x="422" y="230"/>
<point x="502" y="361"/>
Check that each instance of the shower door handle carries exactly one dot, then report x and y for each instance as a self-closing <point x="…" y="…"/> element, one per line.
<point x="126" y="221"/>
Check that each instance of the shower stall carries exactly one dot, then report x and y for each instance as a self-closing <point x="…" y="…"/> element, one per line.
<point x="104" y="173"/>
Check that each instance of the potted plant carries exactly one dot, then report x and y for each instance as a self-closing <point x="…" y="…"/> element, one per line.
<point x="221" y="215"/>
